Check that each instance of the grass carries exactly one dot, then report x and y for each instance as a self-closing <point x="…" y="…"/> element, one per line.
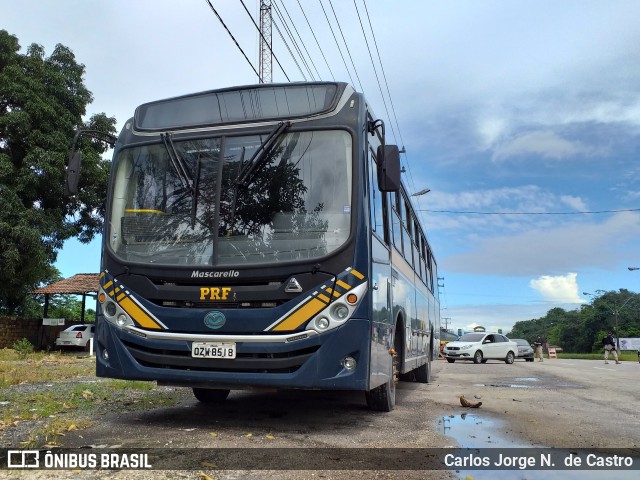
<point x="53" y="394"/>
<point x="623" y="356"/>
<point x="16" y="369"/>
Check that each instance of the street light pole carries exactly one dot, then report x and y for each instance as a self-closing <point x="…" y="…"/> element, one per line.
<point x="615" y="312"/>
<point x="421" y="192"/>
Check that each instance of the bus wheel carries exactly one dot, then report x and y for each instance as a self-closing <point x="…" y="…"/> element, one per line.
<point x="423" y="372"/>
<point x="383" y="397"/>
<point x="210" y="395"/>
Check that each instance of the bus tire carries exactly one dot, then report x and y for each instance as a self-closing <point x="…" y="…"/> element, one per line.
<point x="210" y="395"/>
<point x="383" y="397"/>
<point x="423" y="372"/>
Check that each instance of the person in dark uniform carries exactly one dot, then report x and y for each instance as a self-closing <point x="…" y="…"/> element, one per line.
<point x="609" y="347"/>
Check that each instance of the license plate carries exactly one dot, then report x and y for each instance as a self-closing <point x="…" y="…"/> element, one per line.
<point x="213" y="350"/>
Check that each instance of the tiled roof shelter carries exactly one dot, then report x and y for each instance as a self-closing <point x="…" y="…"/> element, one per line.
<point x="79" y="284"/>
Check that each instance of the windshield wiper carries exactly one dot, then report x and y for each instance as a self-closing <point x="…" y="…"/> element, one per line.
<point x="178" y="163"/>
<point x="261" y="155"/>
<point x="184" y="175"/>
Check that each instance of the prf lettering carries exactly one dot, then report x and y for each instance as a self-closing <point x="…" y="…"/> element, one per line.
<point x="214" y="293"/>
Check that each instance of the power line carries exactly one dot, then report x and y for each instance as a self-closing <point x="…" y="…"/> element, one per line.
<point x="232" y="37"/>
<point x="264" y="39"/>
<point x="336" y="40"/>
<point x="375" y="70"/>
<point x="346" y="44"/>
<point x="531" y="213"/>
<point x="293" y="41"/>
<point x="384" y="76"/>
<point x="285" y="23"/>
<point x="316" y="39"/>
<point x="286" y="44"/>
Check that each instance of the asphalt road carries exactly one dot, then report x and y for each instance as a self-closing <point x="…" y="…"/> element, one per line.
<point x="556" y="403"/>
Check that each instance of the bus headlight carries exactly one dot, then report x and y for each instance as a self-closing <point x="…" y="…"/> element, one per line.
<point x="338" y="311"/>
<point x="123" y="320"/>
<point x="110" y="309"/>
<point x="115" y="315"/>
<point x="322" y="323"/>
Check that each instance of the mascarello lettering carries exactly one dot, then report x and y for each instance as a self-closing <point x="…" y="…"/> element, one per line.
<point x="224" y="274"/>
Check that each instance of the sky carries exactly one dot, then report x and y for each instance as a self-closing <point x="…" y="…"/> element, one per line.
<point x="521" y="117"/>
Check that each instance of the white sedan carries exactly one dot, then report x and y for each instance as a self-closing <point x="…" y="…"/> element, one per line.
<point x="76" y="336"/>
<point x="481" y="347"/>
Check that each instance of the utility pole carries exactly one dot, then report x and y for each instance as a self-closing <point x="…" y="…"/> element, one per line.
<point x="446" y="323"/>
<point x="615" y="311"/>
<point x="266" y="55"/>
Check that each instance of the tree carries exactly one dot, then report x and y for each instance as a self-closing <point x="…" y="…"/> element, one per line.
<point x="582" y="330"/>
<point x="42" y="102"/>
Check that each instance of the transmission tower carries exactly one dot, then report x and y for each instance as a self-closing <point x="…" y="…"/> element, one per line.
<point x="266" y="54"/>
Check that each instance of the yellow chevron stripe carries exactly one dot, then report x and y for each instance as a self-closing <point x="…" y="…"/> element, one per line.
<point x="120" y="297"/>
<point x="301" y="316"/>
<point x="107" y="285"/>
<point x="344" y="285"/>
<point x="332" y="292"/>
<point x="138" y="314"/>
<point x="324" y="298"/>
<point x="357" y="274"/>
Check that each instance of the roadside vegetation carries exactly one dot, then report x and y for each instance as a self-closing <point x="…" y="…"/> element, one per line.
<point x="623" y="356"/>
<point x="44" y="396"/>
<point x="582" y="330"/>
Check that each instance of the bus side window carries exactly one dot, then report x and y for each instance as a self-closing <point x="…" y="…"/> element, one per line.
<point x="406" y="230"/>
<point x="395" y="221"/>
<point x="376" y="200"/>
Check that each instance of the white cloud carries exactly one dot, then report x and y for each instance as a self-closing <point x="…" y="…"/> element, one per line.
<point x="499" y="316"/>
<point x="545" y="143"/>
<point x="559" y="288"/>
<point x="553" y="248"/>
<point x="491" y="130"/>
<point x="576" y="203"/>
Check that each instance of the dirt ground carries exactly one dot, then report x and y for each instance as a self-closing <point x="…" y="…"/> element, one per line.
<point x="557" y="403"/>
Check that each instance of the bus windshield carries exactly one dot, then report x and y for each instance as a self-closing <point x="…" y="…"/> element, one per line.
<point x="181" y="202"/>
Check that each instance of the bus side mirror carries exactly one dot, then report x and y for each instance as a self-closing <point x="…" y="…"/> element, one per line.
<point x="73" y="174"/>
<point x="388" y="158"/>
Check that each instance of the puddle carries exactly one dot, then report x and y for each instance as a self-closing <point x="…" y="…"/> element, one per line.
<point x="503" y="385"/>
<point x="513" y="385"/>
<point x="480" y="431"/>
<point x="471" y="430"/>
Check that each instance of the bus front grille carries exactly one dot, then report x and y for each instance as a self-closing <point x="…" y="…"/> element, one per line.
<point x="286" y="362"/>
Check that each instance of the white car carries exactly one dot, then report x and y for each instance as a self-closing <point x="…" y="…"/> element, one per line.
<point x="524" y="349"/>
<point x="76" y="336"/>
<point x="480" y="347"/>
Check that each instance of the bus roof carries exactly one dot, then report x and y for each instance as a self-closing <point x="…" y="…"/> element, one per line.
<point x="239" y="104"/>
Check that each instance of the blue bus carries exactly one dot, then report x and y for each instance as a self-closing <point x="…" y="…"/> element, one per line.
<point x="261" y="236"/>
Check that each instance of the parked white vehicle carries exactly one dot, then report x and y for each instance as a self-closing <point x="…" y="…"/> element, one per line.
<point x="481" y="347"/>
<point x="75" y="336"/>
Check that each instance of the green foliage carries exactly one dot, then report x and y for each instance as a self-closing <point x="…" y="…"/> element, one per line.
<point x="42" y="102"/>
<point x="23" y="347"/>
<point x="582" y="330"/>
